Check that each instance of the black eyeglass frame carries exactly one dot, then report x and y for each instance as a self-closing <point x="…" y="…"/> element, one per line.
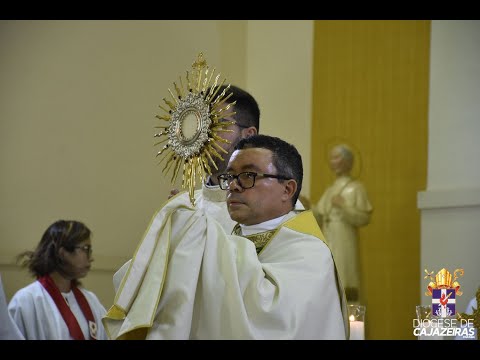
<point x="229" y="177"/>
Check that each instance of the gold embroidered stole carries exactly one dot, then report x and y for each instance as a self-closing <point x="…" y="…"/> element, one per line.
<point x="260" y="239"/>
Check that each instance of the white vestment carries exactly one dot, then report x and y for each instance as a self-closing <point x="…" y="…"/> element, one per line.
<point x="472" y="304"/>
<point x="214" y="201"/>
<point x="189" y="279"/>
<point x="8" y="328"/>
<point x="38" y="318"/>
<point x="340" y="226"/>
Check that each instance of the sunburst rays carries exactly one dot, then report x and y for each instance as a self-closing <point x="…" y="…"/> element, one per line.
<point x="191" y="125"/>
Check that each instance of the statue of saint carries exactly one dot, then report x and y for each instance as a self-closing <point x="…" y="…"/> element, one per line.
<point x="342" y="209"/>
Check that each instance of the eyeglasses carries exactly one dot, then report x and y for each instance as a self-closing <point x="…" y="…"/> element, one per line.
<point x="235" y="123"/>
<point x="87" y="249"/>
<point x="246" y="180"/>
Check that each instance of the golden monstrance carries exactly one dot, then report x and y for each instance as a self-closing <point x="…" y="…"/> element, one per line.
<point x="191" y="125"/>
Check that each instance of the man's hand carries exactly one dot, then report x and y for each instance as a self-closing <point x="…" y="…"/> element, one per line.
<point x="173" y="192"/>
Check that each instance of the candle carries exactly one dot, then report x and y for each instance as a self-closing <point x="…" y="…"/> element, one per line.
<point x="357" y="329"/>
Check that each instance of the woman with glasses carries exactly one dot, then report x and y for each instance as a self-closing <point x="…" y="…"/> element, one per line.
<point x="56" y="306"/>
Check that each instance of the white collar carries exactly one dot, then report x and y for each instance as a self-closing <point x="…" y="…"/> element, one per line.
<point x="262" y="227"/>
<point x="209" y="186"/>
<point x="213" y="193"/>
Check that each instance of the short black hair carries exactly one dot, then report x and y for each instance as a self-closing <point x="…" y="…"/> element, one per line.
<point x="286" y="158"/>
<point x="246" y="107"/>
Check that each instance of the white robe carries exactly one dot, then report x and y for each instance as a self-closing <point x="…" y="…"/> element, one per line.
<point x="38" y="318"/>
<point x="340" y="226"/>
<point x="189" y="279"/>
<point x="214" y="201"/>
<point x="8" y="328"/>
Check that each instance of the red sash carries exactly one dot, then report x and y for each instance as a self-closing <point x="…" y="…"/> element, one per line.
<point x="65" y="311"/>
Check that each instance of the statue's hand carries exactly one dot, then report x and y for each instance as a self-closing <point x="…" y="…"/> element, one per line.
<point x="338" y="201"/>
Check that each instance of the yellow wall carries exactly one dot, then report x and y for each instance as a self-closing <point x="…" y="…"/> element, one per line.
<point x="371" y="89"/>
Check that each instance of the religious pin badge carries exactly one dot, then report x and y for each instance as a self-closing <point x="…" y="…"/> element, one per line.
<point x="92" y="326"/>
<point x="440" y="318"/>
<point x="192" y="122"/>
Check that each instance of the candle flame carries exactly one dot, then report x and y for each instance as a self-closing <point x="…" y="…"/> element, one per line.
<point x="351" y="318"/>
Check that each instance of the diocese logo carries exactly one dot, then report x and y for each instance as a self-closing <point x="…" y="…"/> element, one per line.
<point x="443" y="302"/>
<point x="440" y="319"/>
<point x="443" y="290"/>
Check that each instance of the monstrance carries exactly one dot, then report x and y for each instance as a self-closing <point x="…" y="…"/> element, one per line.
<point x="192" y="124"/>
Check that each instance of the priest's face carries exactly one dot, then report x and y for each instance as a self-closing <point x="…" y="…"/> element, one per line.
<point x="267" y="199"/>
<point x="233" y="135"/>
